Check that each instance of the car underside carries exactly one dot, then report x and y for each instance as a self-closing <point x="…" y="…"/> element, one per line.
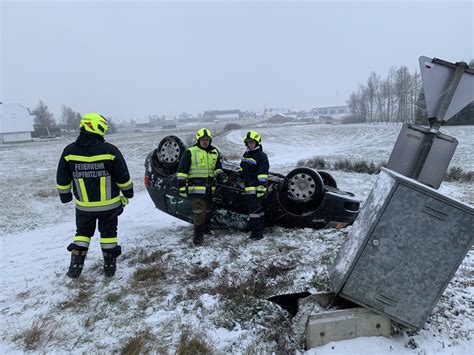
<point x="303" y="198"/>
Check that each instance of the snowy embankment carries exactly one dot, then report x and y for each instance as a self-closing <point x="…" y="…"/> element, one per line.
<point x="167" y="293"/>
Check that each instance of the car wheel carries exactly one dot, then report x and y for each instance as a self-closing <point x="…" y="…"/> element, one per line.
<point x="302" y="191"/>
<point x="327" y="179"/>
<point x="169" y="153"/>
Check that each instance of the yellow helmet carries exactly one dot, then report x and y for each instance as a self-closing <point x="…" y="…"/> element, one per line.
<point x="203" y="132"/>
<point x="94" y="123"/>
<point x="254" y="136"/>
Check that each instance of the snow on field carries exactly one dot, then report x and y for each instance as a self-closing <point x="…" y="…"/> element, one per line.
<point x="166" y="289"/>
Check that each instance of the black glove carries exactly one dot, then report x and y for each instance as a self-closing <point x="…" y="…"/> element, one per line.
<point x="65" y="198"/>
<point x="221" y="178"/>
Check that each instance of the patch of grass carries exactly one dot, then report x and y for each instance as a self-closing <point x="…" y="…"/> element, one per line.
<point x="326" y="258"/>
<point x="274" y="270"/>
<point x="46" y="193"/>
<point x="79" y="300"/>
<point x="136" y="344"/>
<point x="113" y="297"/>
<point x="235" y="287"/>
<point x="144" y="258"/>
<point x="199" y="273"/>
<point x="42" y="330"/>
<point x="148" y="275"/>
<point x="193" y="293"/>
<point x="314" y="163"/>
<point x="456" y="173"/>
<point x="90" y="321"/>
<point x="285" y="249"/>
<point x="276" y="333"/>
<point x="361" y="166"/>
<point x="82" y="283"/>
<point x="241" y="296"/>
<point x="358" y="166"/>
<point x="191" y="342"/>
<point x="143" y="303"/>
<point x="233" y="254"/>
<point x="342" y="164"/>
<point x="365" y="167"/>
<point x="23" y="295"/>
<point x="279" y="332"/>
<point x="321" y="282"/>
<point x="139" y="256"/>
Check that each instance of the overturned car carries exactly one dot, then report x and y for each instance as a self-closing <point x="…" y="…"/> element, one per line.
<point x="302" y="198"/>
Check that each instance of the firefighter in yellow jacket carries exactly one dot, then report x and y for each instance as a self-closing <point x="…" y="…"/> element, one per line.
<point x="96" y="173"/>
<point x="198" y="169"/>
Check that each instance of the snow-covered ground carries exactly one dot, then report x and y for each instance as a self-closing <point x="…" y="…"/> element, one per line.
<point x="166" y="291"/>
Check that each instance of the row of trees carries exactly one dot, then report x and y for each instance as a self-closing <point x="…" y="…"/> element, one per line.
<point x="397" y="98"/>
<point x="392" y="99"/>
<point x="45" y="124"/>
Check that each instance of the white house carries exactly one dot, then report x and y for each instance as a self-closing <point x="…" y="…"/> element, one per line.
<point x="16" y="123"/>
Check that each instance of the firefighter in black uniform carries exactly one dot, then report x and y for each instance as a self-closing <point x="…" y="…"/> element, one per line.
<point x="254" y="165"/>
<point x="95" y="171"/>
<point x="198" y="170"/>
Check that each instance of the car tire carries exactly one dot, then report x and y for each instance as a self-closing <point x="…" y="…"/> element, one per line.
<point x="328" y="179"/>
<point x="168" y="154"/>
<point x="302" y="192"/>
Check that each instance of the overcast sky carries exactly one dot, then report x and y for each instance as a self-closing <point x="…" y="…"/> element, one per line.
<point x="133" y="59"/>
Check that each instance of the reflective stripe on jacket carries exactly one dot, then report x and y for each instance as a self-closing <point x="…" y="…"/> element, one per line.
<point x="198" y="168"/>
<point x="96" y="173"/>
<point x="254" y="165"/>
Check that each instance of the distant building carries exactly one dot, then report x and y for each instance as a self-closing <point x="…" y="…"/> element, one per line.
<point x="222" y="115"/>
<point x="330" y="111"/>
<point x="142" y="125"/>
<point x="16" y="123"/>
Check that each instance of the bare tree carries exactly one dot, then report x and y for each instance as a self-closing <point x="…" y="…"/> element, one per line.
<point x="70" y="118"/>
<point x="393" y="99"/>
<point x="370" y="95"/>
<point x="415" y="89"/>
<point x="357" y="104"/>
<point x="391" y="94"/>
<point x="43" y="118"/>
<point x="402" y="89"/>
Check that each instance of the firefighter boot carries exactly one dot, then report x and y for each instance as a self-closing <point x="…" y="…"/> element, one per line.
<point x="198" y="235"/>
<point x="78" y="255"/>
<point x="256" y="235"/>
<point x="207" y="230"/>
<point x="110" y="260"/>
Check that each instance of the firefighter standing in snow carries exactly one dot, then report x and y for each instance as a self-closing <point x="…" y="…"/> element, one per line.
<point x="254" y="165"/>
<point x="96" y="173"/>
<point x="197" y="170"/>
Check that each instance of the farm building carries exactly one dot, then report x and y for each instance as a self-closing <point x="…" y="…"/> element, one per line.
<point x="16" y="123"/>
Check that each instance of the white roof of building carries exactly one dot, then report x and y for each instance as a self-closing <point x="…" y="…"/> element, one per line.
<point x="15" y="118"/>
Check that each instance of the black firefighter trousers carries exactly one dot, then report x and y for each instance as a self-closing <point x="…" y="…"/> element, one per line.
<point x="107" y="223"/>
<point x="256" y="221"/>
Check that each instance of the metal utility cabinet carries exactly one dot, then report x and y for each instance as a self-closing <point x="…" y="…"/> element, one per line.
<point x="409" y="149"/>
<point x="403" y="249"/>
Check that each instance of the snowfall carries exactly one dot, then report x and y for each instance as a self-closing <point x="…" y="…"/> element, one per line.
<point x="167" y="291"/>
